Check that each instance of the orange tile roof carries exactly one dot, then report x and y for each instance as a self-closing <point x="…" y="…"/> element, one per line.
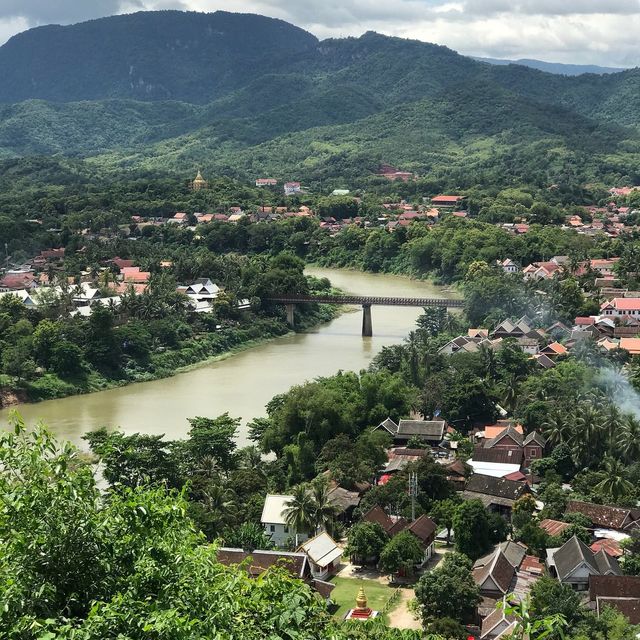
<point x="494" y="430"/>
<point x="632" y="345"/>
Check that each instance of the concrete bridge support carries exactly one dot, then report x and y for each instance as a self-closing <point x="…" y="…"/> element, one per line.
<point x="291" y="320"/>
<point x="367" y="327"/>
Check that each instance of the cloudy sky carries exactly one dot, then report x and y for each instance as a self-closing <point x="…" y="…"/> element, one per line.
<point x="575" y="31"/>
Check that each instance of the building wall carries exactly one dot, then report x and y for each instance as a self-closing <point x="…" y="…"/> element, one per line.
<point x="280" y="535"/>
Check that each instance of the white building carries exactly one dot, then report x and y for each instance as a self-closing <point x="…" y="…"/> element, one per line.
<point x="26" y="297"/>
<point x="621" y="307"/>
<point x="508" y="266"/>
<point x="324" y="555"/>
<point x="274" y="522"/>
<point x="292" y="187"/>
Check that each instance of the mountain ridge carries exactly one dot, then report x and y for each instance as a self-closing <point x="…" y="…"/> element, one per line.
<point x="559" y="68"/>
<point x="289" y="103"/>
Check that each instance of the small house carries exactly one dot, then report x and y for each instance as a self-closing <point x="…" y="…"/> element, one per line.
<point x="274" y="520"/>
<point x="323" y="554"/>
<point x="619" y="592"/>
<point x="429" y="431"/>
<point x="573" y="563"/>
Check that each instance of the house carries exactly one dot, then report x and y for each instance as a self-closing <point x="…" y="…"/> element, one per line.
<point x="456" y="472"/>
<point x="393" y="174"/>
<point x="274" y="521"/>
<point x="574" y="562"/>
<point x="619" y="592"/>
<point x="498" y="625"/>
<point x="400" y="457"/>
<point x="492" y="430"/>
<point x="553" y="527"/>
<point x="291" y="188"/>
<point x="497" y="456"/>
<point x="201" y="289"/>
<point x="529" y="345"/>
<point x="121" y="263"/>
<point x="323" y="554"/>
<point x="609" y="546"/>
<point x="508" y="265"/>
<point x="509" y="438"/>
<point x="266" y="182"/>
<point x="631" y="345"/>
<point x="619" y="307"/>
<point x="605" y="516"/>
<point x="510" y="329"/>
<point x="540" y="270"/>
<point x="534" y="447"/>
<point x="498" y="494"/>
<point x="429" y="431"/>
<point x="554" y="350"/>
<point x="259" y="561"/>
<point x="544" y="361"/>
<point x="495" y="573"/>
<point x="424" y="529"/>
<point x="470" y="344"/>
<point x="481" y="465"/>
<point x="344" y="501"/>
<point x="18" y="280"/>
<point x="605" y="267"/>
<point x="179" y="218"/>
<point x="28" y="298"/>
<point x="133" y="274"/>
<point x="391" y="525"/>
<point x="447" y="201"/>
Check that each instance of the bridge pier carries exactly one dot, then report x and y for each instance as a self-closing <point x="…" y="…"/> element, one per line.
<point x="291" y="320"/>
<point x="367" y="327"/>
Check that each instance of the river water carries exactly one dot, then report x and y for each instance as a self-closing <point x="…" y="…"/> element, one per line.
<point x="244" y="383"/>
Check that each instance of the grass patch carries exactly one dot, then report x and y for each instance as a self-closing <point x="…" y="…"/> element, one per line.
<point x="344" y="595"/>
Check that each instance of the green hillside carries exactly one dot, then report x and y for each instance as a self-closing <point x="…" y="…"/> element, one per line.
<point x="242" y="95"/>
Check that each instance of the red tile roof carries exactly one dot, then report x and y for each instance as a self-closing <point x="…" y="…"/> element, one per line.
<point x="611" y="547"/>
<point x="553" y="527"/>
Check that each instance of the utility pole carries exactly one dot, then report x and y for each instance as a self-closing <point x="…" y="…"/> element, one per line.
<point x="413" y="492"/>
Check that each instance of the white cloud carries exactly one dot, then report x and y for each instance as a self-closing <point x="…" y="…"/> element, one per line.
<point x="581" y="31"/>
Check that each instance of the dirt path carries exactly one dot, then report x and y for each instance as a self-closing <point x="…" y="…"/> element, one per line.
<point x="401" y="617"/>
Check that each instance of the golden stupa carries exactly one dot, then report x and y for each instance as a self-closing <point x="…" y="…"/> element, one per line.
<point x="199" y="182"/>
<point x="361" y="600"/>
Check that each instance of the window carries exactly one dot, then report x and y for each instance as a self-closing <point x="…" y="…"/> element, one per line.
<point x="272" y="528"/>
<point x="286" y="529"/>
<point x="532" y="453"/>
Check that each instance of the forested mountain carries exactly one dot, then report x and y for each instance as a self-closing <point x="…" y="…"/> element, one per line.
<point x="148" y="56"/>
<point x="243" y="94"/>
<point x="553" y="67"/>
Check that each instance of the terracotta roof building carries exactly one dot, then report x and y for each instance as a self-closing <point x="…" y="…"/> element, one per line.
<point x="620" y="592"/>
<point x="554" y="527"/>
<point x="605" y="516"/>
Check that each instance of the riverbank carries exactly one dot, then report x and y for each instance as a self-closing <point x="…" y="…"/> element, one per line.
<point x="194" y="353"/>
<point x="242" y="385"/>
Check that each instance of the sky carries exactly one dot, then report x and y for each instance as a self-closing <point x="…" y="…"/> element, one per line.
<point x="572" y="31"/>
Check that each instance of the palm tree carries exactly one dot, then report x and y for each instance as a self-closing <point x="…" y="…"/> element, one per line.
<point x="511" y="393"/>
<point x="488" y="359"/>
<point x="588" y="435"/>
<point x="629" y="443"/>
<point x="615" y="484"/>
<point x="208" y="467"/>
<point x="299" y="512"/>
<point x="323" y="511"/>
<point x="556" y="428"/>
<point x="613" y="427"/>
<point x="219" y="504"/>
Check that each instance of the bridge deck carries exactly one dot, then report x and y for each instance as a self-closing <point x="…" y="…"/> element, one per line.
<point x="370" y="300"/>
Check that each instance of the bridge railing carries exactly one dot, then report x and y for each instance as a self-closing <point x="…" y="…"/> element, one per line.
<point x="368" y="300"/>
